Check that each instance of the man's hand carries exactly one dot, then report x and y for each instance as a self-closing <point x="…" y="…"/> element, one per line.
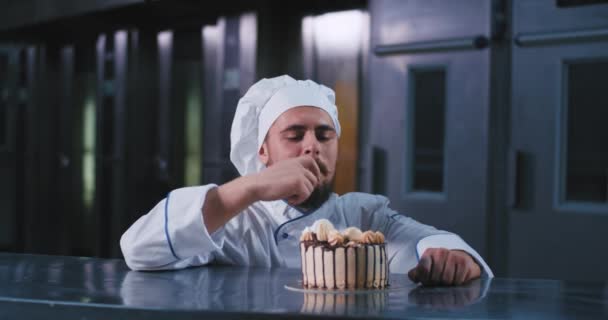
<point x="293" y="180"/>
<point x="439" y="266"/>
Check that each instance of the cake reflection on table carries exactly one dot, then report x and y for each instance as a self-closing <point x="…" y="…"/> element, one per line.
<point x="344" y="303"/>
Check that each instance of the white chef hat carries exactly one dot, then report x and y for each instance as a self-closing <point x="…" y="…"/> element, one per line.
<point x="263" y="103"/>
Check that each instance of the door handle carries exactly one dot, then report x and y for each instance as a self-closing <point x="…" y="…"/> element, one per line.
<point x="551" y="38"/>
<point x="514" y="172"/>
<point x="469" y="43"/>
<point x="379" y="170"/>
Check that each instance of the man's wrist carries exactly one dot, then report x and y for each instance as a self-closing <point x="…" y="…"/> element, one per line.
<point x="251" y="189"/>
<point x="224" y="202"/>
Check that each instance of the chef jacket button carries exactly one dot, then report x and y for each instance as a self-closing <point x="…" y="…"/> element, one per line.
<point x="285" y="235"/>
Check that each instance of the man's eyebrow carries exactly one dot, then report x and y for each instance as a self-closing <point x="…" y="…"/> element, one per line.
<point x="294" y="127"/>
<point x="299" y="127"/>
<point x="324" y="127"/>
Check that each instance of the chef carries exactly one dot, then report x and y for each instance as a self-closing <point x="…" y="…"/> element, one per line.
<point x="284" y="143"/>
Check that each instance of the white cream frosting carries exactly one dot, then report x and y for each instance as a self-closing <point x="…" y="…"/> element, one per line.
<point x="321" y="224"/>
<point x="323" y="227"/>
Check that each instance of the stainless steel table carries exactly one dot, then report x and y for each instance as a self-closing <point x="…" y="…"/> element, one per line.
<point x="55" y="287"/>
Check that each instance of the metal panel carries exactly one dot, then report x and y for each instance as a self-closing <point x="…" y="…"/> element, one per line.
<point x="102" y="202"/>
<point x="542" y="16"/>
<point x="229" y="59"/>
<point x="213" y="60"/>
<point x="66" y="195"/>
<point x="30" y="208"/>
<point x="230" y="93"/>
<point x="165" y="56"/>
<point x="248" y="37"/>
<point x="112" y="54"/>
<point x="367" y="157"/>
<point x="81" y="100"/>
<point x="399" y="21"/>
<point x="185" y="161"/>
<point x="118" y="193"/>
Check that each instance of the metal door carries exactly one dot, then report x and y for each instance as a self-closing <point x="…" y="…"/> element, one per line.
<point x="8" y="145"/>
<point x="558" y="209"/>
<point x="429" y="105"/>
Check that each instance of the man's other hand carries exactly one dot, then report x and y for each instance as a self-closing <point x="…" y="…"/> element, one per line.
<point x="439" y="266"/>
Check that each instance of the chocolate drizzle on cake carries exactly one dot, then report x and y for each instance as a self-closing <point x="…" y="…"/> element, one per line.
<point x="334" y="270"/>
<point x="345" y="267"/>
<point x="366" y="266"/>
<point x="323" y="264"/>
<point x="314" y="267"/>
<point x="374" y="283"/>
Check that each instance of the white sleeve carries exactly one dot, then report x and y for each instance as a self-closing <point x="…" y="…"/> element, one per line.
<point x="172" y="235"/>
<point x="451" y="242"/>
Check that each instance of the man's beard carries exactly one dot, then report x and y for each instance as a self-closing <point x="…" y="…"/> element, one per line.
<point x="317" y="198"/>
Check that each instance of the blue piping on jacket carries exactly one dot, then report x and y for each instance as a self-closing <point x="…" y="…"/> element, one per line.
<point x="167" y="226"/>
<point x="303" y="214"/>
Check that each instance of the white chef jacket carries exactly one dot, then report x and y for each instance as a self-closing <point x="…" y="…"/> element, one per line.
<point x="173" y="234"/>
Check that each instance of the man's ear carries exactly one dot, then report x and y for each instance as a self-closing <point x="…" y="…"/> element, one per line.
<point x="263" y="154"/>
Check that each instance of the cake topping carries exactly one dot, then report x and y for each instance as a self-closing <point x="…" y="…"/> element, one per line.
<point x="335" y="238"/>
<point x="324" y="231"/>
<point x="306" y="235"/>
<point x="368" y="237"/>
<point x="322" y="228"/>
<point x="353" y="234"/>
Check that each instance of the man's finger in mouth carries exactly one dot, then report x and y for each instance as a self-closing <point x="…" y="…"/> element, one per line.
<point x="322" y="167"/>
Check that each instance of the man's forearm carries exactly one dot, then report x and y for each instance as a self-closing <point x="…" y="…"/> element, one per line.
<point x="226" y="201"/>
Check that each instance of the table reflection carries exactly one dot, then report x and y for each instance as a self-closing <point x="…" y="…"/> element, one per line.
<point x="55" y="278"/>
<point x="251" y="289"/>
<point x="450" y="297"/>
<point x="35" y="286"/>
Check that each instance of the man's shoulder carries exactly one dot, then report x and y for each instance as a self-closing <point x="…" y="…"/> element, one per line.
<point x="362" y="199"/>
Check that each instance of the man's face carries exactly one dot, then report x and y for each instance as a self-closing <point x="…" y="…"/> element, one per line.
<point x="304" y="131"/>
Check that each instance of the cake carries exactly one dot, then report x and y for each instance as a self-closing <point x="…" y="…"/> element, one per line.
<point x="347" y="259"/>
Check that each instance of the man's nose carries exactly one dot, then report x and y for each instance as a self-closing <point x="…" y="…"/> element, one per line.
<point x="311" y="145"/>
